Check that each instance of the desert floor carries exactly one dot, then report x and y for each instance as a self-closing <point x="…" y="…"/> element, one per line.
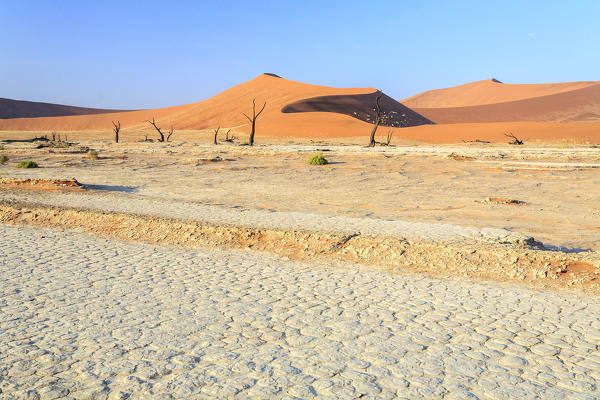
<point x="185" y="270"/>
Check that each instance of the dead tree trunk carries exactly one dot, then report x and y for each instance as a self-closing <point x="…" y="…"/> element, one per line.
<point x="227" y="138"/>
<point x="216" y="133"/>
<point x="170" y="133"/>
<point x="516" y="140"/>
<point x="117" y="128"/>
<point x="252" y="120"/>
<point x="160" y="132"/>
<point x="389" y="137"/>
<point x="377" y="119"/>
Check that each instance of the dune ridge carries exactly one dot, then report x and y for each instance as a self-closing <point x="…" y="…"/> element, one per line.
<point x="10" y="108"/>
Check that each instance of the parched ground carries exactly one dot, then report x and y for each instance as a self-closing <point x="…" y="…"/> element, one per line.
<point x="191" y="271"/>
<point x="84" y="318"/>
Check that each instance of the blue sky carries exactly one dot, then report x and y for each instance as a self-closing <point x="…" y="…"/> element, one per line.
<point x="145" y="54"/>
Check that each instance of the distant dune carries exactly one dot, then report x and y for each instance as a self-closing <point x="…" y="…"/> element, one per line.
<point x="489" y="91"/>
<point x="492" y="101"/>
<point x="226" y="108"/>
<point x="32" y="109"/>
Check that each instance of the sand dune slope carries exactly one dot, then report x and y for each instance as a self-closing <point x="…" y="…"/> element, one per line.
<point x="580" y="105"/>
<point x="488" y="91"/>
<point x="225" y="110"/>
<point x="32" y="109"/>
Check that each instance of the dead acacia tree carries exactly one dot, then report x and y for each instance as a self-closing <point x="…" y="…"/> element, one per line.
<point x="116" y="129"/>
<point x="161" y="134"/>
<point x="516" y="139"/>
<point x="377" y="118"/>
<point x="215" y="137"/>
<point x="252" y="120"/>
<point x="229" y="139"/>
<point x="389" y="138"/>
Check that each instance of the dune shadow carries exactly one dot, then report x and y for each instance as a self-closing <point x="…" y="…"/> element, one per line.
<point x="112" y="188"/>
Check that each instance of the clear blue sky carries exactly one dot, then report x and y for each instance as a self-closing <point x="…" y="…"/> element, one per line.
<point x="143" y="54"/>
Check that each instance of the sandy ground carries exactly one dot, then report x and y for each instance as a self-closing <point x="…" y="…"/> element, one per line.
<point x="106" y="317"/>
<point x="89" y="318"/>
<point x="430" y="184"/>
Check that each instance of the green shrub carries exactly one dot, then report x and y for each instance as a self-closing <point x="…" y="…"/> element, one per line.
<point x="317" y="159"/>
<point x="92" y="154"/>
<point x="3" y="159"/>
<point x="27" y="164"/>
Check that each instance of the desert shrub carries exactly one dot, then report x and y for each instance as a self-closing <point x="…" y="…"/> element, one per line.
<point x="317" y="159"/>
<point x="92" y="154"/>
<point x="27" y="164"/>
<point x="3" y="159"/>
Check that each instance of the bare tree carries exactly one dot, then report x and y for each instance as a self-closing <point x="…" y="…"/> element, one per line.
<point x="377" y="119"/>
<point x="116" y="129"/>
<point x="227" y="138"/>
<point x="216" y="133"/>
<point x="389" y="137"/>
<point x="253" y="120"/>
<point x="160" y="132"/>
<point x="516" y="139"/>
<point x="170" y="133"/>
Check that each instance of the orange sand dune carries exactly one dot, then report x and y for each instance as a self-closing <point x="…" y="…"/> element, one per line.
<point x="489" y="91"/>
<point x="32" y="109"/>
<point x="224" y="109"/>
<point x="579" y="105"/>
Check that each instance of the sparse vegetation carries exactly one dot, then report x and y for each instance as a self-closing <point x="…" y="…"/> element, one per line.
<point x="92" y="154"/>
<point x="27" y="164"/>
<point x="318" y="159"/>
<point x="3" y="159"/>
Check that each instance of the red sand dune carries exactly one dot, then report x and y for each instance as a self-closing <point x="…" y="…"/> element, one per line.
<point x="492" y="101"/>
<point x="489" y="91"/>
<point x="32" y="109"/>
<point x="226" y="108"/>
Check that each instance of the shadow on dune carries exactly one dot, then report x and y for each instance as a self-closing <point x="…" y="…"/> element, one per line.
<point x="362" y="107"/>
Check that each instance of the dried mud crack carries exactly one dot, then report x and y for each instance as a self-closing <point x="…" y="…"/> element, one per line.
<point x="524" y="263"/>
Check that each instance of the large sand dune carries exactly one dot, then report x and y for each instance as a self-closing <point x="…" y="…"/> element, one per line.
<point x="32" y="109"/>
<point x="226" y="108"/>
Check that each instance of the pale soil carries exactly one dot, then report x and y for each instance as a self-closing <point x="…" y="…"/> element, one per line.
<point x="431" y="184"/>
<point x="90" y="318"/>
<point x="191" y="315"/>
